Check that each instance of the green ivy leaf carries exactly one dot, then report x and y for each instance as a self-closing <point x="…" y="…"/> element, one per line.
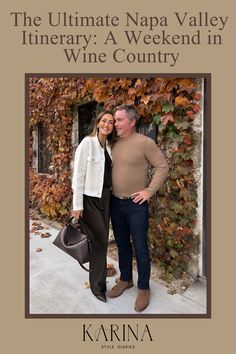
<point x="177" y="207"/>
<point x="156" y="119"/>
<point x="170" y="243"/>
<point x="168" y="107"/>
<point x="161" y="127"/>
<point x="182" y="125"/>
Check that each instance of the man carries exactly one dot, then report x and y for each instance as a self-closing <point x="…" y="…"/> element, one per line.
<point x="132" y="155"/>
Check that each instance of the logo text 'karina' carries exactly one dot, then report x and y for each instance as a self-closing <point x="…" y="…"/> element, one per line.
<point x="114" y="332"/>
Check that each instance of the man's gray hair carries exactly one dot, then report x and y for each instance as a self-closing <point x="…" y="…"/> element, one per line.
<point x="130" y="111"/>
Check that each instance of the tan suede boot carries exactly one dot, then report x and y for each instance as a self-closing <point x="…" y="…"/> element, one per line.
<point x="119" y="288"/>
<point x="142" y="300"/>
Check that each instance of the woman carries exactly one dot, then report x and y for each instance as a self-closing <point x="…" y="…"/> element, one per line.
<point x="91" y="186"/>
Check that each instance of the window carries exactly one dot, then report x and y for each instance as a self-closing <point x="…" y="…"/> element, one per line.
<point x="44" y="155"/>
<point x="150" y="131"/>
<point x="86" y="113"/>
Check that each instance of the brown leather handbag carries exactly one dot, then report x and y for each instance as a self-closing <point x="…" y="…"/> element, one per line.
<point x="73" y="242"/>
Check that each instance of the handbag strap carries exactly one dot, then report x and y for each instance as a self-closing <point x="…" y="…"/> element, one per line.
<point x="87" y="270"/>
<point x="69" y="221"/>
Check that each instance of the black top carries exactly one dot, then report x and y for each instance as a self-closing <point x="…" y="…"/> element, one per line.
<point x="107" y="172"/>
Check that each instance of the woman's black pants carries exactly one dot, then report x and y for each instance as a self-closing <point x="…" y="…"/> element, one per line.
<point x="95" y="224"/>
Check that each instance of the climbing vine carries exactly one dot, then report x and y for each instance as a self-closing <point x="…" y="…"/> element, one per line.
<point x="169" y="103"/>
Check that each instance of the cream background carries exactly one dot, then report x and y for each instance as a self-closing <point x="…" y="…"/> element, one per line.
<point x="63" y="335"/>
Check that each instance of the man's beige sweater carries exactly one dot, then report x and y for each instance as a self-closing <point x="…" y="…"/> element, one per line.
<point x="131" y="158"/>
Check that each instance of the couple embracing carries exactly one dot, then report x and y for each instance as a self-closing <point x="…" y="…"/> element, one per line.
<point x="110" y="180"/>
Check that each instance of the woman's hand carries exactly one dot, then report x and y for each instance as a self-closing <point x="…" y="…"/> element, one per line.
<point x="77" y="214"/>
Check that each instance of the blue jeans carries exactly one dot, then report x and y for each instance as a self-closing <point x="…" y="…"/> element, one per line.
<point x="131" y="220"/>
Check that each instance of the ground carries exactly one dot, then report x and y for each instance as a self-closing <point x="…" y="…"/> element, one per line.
<point x="173" y="285"/>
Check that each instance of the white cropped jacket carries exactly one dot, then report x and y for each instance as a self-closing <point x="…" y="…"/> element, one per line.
<point x="88" y="173"/>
